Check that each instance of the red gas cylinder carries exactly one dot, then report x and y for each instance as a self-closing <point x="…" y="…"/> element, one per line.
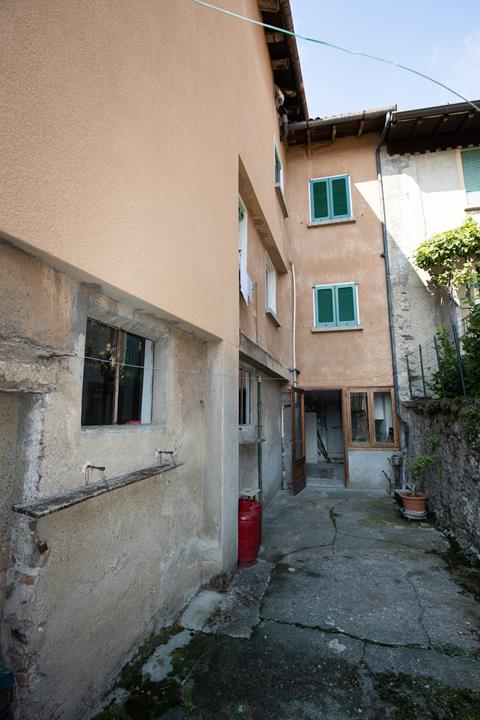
<point x="246" y="503"/>
<point x="247" y="536"/>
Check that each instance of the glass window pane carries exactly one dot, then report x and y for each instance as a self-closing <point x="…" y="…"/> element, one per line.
<point x="244" y="397"/>
<point x="99" y="374"/>
<point x="131" y="379"/>
<point x="383" y="417"/>
<point x="359" y="417"/>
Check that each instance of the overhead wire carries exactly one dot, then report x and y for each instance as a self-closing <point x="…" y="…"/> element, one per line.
<point x="325" y="43"/>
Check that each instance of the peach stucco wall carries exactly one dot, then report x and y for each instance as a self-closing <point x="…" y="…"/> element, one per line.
<point x="122" y="127"/>
<point x="343" y="252"/>
<point x="254" y="321"/>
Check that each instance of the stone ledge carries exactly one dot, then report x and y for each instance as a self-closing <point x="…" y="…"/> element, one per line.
<point x="61" y="501"/>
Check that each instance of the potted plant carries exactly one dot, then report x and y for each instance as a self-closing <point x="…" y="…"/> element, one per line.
<point x="414" y="498"/>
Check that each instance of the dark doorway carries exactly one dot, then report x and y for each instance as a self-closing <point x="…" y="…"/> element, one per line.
<point x="324" y="438"/>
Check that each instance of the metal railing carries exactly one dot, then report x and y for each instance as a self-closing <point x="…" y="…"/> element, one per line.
<point x="426" y="367"/>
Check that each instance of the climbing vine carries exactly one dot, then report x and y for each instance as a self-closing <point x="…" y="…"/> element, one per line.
<point x="452" y="258"/>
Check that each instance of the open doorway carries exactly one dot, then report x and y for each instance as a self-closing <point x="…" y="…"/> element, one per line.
<point x="324" y="439"/>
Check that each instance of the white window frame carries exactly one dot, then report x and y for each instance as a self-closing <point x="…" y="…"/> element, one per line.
<point x="270" y="286"/>
<point x="336" y="324"/>
<point x="242" y="235"/>
<point x="277" y="159"/>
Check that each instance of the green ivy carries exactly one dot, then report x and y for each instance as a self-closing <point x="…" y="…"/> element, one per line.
<point x="446" y="382"/>
<point x="452" y="257"/>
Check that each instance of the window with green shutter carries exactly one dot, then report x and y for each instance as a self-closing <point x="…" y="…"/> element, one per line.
<point x="330" y="199"/>
<point x="471" y="175"/>
<point x="335" y="305"/>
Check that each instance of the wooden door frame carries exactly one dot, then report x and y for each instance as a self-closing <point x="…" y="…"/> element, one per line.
<point x="343" y="401"/>
<point x="297" y="488"/>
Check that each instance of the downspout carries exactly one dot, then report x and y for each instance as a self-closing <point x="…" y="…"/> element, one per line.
<point x="260" y="439"/>
<point x="388" y="278"/>
<point x="294" y="326"/>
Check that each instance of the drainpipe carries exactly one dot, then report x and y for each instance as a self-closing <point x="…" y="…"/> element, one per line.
<point x="294" y="325"/>
<point x="388" y="277"/>
<point x="282" y="436"/>
<point x="261" y="439"/>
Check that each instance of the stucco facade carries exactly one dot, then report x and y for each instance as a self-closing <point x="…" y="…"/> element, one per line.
<point x="424" y="194"/>
<point x="349" y="360"/>
<point x="128" y="134"/>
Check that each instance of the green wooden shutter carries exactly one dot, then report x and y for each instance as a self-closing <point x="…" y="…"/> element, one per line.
<point x="346" y="304"/>
<point x="340" y="197"/>
<point x="471" y="169"/>
<point x="325" y="307"/>
<point x="319" y="199"/>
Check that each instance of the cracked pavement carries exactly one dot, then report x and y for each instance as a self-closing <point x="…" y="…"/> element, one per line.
<point x="351" y="611"/>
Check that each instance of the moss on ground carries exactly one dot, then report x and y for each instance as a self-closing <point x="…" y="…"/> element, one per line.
<point x="407" y="698"/>
<point x="463" y="567"/>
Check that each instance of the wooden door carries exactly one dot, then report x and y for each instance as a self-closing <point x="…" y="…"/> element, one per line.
<point x="299" y="462"/>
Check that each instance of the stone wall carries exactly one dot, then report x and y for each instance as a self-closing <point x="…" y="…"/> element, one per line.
<point x="454" y="485"/>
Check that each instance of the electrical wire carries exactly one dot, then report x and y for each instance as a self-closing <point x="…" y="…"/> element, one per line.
<point x="335" y="47"/>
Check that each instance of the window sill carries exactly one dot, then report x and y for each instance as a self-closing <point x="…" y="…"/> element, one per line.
<point x="472" y="208"/>
<point x="337" y="329"/>
<point x="273" y="317"/>
<point x="340" y="221"/>
<point x="281" y="198"/>
<point x="118" y="428"/>
<point x="382" y="448"/>
<point x="60" y="501"/>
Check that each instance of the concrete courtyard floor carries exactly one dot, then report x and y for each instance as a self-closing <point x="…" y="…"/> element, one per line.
<point x="350" y="612"/>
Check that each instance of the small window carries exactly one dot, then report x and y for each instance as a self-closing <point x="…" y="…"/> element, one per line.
<point x="242" y="233"/>
<point x="270" y="286"/>
<point x="117" y="377"/>
<point x="278" y="170"/>
<point x="330" y="199"/>
<point x="244" y="397"/>
<point x="471" y="175"/>
<point x="371" y="418"/>
<point x="359" y="417"/>
<point x="335" y="305"/>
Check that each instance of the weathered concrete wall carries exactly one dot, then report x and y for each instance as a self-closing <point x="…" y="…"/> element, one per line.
<point x="272" y="397"/>
<point x="340" y="252"/>
<point x="453" y="486"/>
<point x="366" y="468"/>
<point x="120" y="564"/>
<point x="424" y="194"/>
<point x="9" y="412"/>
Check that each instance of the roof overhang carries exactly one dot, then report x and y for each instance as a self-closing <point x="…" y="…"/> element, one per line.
<point x="284" y="57"/>
<point x="433" y="128"/>
<point x="333" y="127"/>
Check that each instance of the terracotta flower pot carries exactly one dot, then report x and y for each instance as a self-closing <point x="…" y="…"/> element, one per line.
<point x="417" y="503"/>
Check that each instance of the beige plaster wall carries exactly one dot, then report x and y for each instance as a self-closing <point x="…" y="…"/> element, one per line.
<point x="342" y="252"/>
<point x="121" y="129"/>
<point x="254" y="321"/>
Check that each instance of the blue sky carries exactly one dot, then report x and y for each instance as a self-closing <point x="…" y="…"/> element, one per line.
<point x="440" y="38"/>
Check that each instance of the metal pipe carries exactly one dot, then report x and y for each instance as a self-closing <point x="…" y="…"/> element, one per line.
<point x="294" y="325"/>
<point x="260" y="438"/>
<point x="388" y="277"/>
